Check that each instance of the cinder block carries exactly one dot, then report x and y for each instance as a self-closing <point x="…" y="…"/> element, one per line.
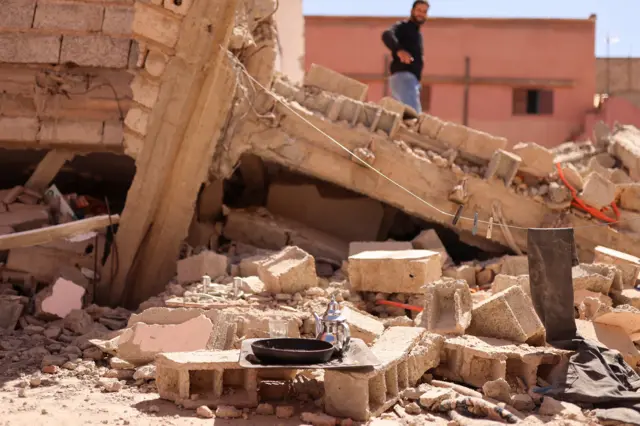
<point x="598" y="191"/>
<point x="192" y="379"/>
<point x="209" y="263"/>
<point x="597" y="277"/>
<point x="152" y="24"/>
<point x="536" y="160"/>
<point x="429" y="240"/>
<point x="29" y="48"/>
<point x="67" y="131"/>
<point x="447" y="307"/>
<point x="629" y="265"/>
<point x="19" y="129"/>
<point x="332" y="81"/>
<point x="145" y="92"/>
<point x="405" y="354"/>
<point x="362" y="325"/>
<point x="356" y="247"/>
<point x="118" y="20"/>
<point x="508" y="315"/>
<point x="471" y="143"/>
<point x="503" y="165"/>
<point x="289" y="271"/>
<point x="388" y="122"/>
<point x="17" y="13"/>
<point x="394" y="271"/>
<point x="95" y="51"/>
<point x="68" y="16"/>
<point x="393" y="105"/>
<point x="502" y="282"/>
<point x="429" y="125"/>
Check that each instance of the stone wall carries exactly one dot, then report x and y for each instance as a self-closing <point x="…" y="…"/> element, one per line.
<point x="64" y="79"/>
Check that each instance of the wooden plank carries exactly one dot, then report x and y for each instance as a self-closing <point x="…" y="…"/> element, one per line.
<point x="41" y="236"/>
<point x="180" y="88"/>
<point x="160" y="252"/>
<point x="47" y="169"/>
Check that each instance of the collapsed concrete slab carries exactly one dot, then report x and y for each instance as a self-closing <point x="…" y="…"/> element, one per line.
<point x="289" y="271"/>
<point x="193" y="379"/>
<point x="140" y="344"/>
<point x="477" y="360"/>
<point x="405" y="354"/>
<point x="394" y="271"/>
<point x="629" y="265"/>
<point x="508" y="315"/>
<point x="447" y="307"/>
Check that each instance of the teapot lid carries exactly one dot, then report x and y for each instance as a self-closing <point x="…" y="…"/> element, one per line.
<point x="333" y="312"/>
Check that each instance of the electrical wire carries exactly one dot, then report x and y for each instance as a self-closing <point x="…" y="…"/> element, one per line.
<point x="408" y="191"/>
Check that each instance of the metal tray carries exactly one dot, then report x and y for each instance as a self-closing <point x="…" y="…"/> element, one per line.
<point x="358" y="356"/>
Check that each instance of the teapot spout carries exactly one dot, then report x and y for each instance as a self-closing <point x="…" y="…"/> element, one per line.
<point x="318" y="324"/>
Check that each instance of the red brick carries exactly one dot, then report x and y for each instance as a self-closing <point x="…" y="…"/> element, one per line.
<point x="19" y="128"/>
<point x="67" y="131"/>
<point x="17" y="13"/>
<point x="68" y="16"/>
<point x="113" y="134"/>
<point x="29" y="48"/>
<point x="95" y="51"/>
<point x="117" y="20"/>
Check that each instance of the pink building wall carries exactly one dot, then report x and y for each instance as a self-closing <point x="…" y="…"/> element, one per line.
<point x="508" y="53"/>
<point x="614" y="109"/>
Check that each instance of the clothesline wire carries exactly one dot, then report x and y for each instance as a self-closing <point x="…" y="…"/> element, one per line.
<point x="408" y="191"/>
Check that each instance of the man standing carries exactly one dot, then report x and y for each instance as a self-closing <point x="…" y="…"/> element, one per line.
<point x="405" y="42"/>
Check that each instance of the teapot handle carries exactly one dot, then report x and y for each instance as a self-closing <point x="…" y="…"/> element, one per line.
<point x="347" y="336"/>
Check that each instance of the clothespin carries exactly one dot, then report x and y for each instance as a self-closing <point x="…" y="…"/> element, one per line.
<point x="490" y="228"/>
<point x="474" y="231"/>
<point x="456" y="218"/>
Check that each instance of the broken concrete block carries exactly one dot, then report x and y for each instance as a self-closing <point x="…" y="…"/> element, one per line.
<point x="362" y="325"/>
<point x="612" y="337"/>
<point x="508" y="315"/>
<point x="579" y="296"/>
<point x="629" y="265"/>
<point x="471" y="143"/>
<point x="503" y="165"/>
<point x="59" y="299"/>
<point x="252" y="285"/>
<point x="596" y="277"/>
<point x="289" y="271"/>
<point x="356" y="247"/>
<point x="209" y="263"/>
<point x="429" y="240"/>
<point x="624" y="316"/>
<point x="433" y="396"/>
<point x="462" y="272"/>
<point x="631" y="296"/>
<point x="536" y="160"/>
<point x="502" y="282"/>
<point x="429" y="125"/>
<point x="11" y="308"/>
<point x="394" y="271"/>
<point x="393" y="105"/>
<point x="515" y="265"/>
<point x="629" y="196"/>
<point x="447" y="307"/>
<point x="598" y="191"/>
<point x="498" y="389"/>
<point x="573" y="176"/>
<point x="332" y="81"/>
<point x="141" y="343"/>
<point x="192" y="379"/>
<point x="477" y="360"/>
<point x="403" y="356"/>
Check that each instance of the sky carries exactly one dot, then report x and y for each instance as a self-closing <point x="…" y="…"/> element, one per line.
<point x="620" y="19"/>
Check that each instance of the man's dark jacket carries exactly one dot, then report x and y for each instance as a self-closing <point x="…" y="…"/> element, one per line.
<point x="405" y="35"/>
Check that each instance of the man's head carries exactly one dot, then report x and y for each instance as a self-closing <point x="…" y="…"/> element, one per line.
<point x="419" y="11"/>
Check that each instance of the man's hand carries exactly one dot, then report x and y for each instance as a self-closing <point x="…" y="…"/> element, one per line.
<point x="404" y="56"/>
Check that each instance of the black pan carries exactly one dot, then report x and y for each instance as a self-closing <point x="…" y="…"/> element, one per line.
<point x="292" y="351"/>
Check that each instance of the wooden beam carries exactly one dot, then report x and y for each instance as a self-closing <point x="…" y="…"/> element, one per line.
<point x="36" y="237"/>
<point x="48" y="168"/>
<point x="203" y="30"/>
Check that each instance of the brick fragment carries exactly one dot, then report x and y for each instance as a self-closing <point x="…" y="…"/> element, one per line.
<point x="118" y="20"/>
<point x="29" y="48"/>
<point x="598" y="191"/>
<point x="536" y="159"/>
<point x="289" y="271"/>
<point x="68" y="131"/>
<point x="17" y="13"/>
<point x="95" y="51"/>
<point x="68" y="16"/>
<point x="447" y="307"/>
<point x="137" y="120"/>
<point x="597" y="277"/>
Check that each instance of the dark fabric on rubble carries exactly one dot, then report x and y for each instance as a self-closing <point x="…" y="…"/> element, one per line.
<point x="595" y="377"/>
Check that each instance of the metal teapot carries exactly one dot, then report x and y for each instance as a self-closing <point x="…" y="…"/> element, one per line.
<point x="332" y="327"/>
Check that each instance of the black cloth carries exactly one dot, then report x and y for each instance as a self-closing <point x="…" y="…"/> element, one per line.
<point x="405" y="35"/>
<point x="595" y="376"/>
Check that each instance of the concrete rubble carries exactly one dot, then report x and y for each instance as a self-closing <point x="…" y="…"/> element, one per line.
<point x="249" y="215"/>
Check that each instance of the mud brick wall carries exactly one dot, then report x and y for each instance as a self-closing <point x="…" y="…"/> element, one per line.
<point x="65" y="73"/>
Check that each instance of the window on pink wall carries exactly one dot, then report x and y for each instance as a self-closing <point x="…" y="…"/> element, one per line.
<point x="527" y="101"/>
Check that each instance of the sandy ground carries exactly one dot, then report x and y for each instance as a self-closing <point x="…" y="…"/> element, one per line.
<point x="73" y="402"/>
